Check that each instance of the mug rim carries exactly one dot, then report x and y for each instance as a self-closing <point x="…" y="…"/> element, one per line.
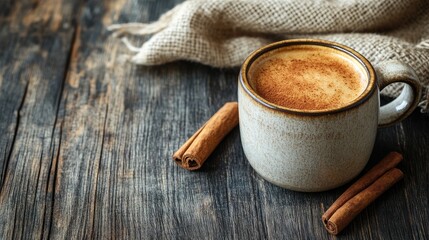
<point x="366" y="94"/>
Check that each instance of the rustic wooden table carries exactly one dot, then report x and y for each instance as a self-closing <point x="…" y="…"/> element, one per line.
<point x="86" y="141"/>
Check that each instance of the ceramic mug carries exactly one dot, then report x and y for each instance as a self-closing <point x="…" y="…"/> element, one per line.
<point x="314" y="151"/>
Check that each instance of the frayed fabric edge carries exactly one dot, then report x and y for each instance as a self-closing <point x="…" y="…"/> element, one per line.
<point x="423" y="44"/>
<point x="142" y="29"/>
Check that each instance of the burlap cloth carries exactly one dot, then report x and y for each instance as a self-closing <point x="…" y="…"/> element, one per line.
<point x="222" y="33"/>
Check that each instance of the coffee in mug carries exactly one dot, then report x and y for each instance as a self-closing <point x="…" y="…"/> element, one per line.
<point x="309" y="111"/>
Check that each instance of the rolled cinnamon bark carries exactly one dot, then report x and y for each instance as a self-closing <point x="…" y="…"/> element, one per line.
<point x="387" y="163"/>
<point x="347" y="212"/>
<point x="198" y="148"/>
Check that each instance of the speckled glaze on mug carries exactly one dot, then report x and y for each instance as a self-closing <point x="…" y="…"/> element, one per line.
<point x="317" y="150"/>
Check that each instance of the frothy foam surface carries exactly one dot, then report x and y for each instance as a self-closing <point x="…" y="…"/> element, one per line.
<point x="308" y="77"/>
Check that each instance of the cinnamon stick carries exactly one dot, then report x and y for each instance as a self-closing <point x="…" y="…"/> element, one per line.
<point x="390" y="161"/>
<point x="198" y="148"/>
<point x="346" y="213"/>
<point x="363" y="184"/>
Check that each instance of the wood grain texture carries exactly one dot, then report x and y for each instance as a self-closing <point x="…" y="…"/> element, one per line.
<point x="86" y="141"/>
<point x="33" y="59"/>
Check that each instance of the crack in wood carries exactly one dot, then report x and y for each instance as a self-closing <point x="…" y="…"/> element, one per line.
<point x="25" y="206"/>
<point x="18" y="118"/>
<point x="53" y="183"/>
<point x="54" y="159"/>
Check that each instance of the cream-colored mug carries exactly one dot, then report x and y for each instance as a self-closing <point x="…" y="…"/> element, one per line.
<point x="315" y="150"/>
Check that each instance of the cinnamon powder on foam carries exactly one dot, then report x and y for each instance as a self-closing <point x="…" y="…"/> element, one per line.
<point x="308" y="79"/>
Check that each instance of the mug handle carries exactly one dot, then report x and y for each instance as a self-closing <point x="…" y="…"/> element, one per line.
<point x="394" y="71"/>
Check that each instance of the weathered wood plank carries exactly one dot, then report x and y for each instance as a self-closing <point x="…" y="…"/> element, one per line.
<point x="31" y="128"/>
<point x="93" y="81"/>
<point x="35" y="40"/>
